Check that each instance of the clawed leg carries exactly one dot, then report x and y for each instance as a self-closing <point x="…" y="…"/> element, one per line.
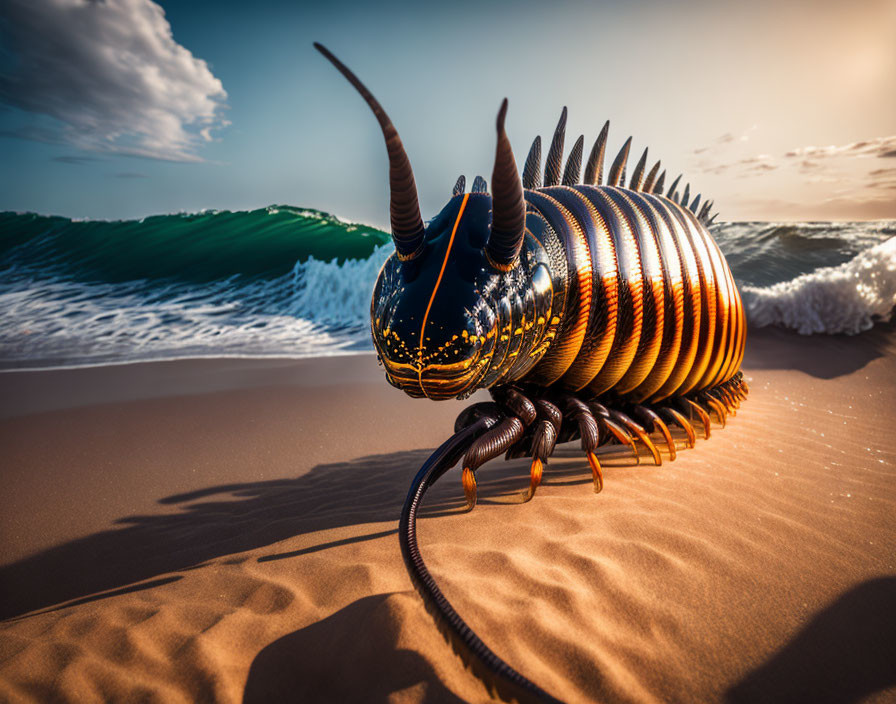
<point x="531" y="427"/>
<point x="690" y="406"/>
<point x="655" y="423"/>
<point x="715" y="405"/>
<point x="489" y="445"/>
<point x="641" y="434"/>
<point x="589" y="431"/>
<point x="678" y="419"/>
<point x="548" y="420"/>
<point x="610" y="427"/>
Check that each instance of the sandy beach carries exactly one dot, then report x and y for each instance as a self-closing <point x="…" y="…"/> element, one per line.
<point x="225" y="530"/>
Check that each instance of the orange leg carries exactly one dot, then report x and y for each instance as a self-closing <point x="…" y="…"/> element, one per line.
<point x="633" y="427"/>
<point x="621" y="435"/>
<point x="469" y="481"/>
<point x="596" y="473"/>
<point x="658" y="424"/>
<point x="703" y="415"/>
<point x="718" y="408"/>
<point x="683" y="423"/>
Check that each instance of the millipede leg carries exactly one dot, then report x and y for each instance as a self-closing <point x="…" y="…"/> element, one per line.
<point x="468" y="479"/>
<point x="547" y="429"/>
<point x="731" y="393"/>
<point x="633" y="427"/>
<point x="489" y="445"/>
<point x="675" y="417"/>
<point x="622" y="435"/>
<point x="589" y="429"/>
<point x="722" y="395"/>
<point x="657" y="424"/>
<point x="535" y="472"/>
<point x="689" y="405"/>
<point x="596" y="473"/>
<point x="609" y="427"/>
<point x="717" y="407"/>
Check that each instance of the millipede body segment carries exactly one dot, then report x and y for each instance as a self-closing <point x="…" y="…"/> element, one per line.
<point x="590" y="309"/>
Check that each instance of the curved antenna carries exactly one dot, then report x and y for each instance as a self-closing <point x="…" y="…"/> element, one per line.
<point x="508" y="205"/>
<point x="404" y="207"/>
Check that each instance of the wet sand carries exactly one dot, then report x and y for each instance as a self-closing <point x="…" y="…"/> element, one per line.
<point x="225" y="530"/>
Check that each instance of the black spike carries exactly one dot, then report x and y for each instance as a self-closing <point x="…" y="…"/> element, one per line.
<point x="618" y="167"/>
<point x="555" y="153"/>
<point x="479" y="185"/>
<point x="660" y="182"/>
<point x="704" y="211"/>
<point x="637" y="177"/>
<point x="532" y="170"/>
<point x="686" y="196"/>
<point x="460" y="186"/>
<point x="594" y="169"/>
<point x="651" y="178"/>
<point x="674" y="196"/>
<point x="695" y="204"/>
<point x="671" y="192"/>
<point x="573" y="169"/>
<point x="712" y="220"/>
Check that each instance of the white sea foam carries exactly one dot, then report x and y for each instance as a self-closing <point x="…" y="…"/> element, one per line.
<point x="322" y="308"/>
<point x="329" y="292"/>
<point x="848" y="298"/>
<point x="318" y="309"/>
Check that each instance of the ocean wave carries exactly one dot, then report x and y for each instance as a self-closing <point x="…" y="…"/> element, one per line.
<point x="295" y="282"/>
<point x="848" y="298"/>
<point x="318" y="308"/>
<point x="194" y="247"/>
<point x="766" y="253"/>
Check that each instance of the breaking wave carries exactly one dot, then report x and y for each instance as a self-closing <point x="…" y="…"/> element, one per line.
<point x="849" y="298"/>
<point x="293" y="282"/>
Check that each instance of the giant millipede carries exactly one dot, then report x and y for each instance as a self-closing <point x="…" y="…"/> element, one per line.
<point x="588" y="309"/>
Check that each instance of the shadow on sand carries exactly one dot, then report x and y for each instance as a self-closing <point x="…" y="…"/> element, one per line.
<point x="844" y="654"/>
<point x="223" y="520"/>
<point x="821" y="356"/>
<point x="341" y="659"/>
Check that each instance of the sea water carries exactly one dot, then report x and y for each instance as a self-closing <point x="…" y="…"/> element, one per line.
<point x="284" y="281"/>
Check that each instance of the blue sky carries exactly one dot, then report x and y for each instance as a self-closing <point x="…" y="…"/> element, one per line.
<point x="778" y="110"/>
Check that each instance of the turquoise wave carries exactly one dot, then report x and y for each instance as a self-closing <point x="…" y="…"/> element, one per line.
<point x="198" y="247"/>
<point x="296" y="282"/>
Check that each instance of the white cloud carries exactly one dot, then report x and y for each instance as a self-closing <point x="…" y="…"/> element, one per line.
<point x="878" y="146"/>
<point x="111" y="73"/>
<point x="726" y="138"/>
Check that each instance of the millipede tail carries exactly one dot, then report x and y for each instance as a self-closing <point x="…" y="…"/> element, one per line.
<point x="499" y="677"/>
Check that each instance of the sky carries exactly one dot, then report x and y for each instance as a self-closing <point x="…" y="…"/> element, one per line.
<point x="777" y="110"/>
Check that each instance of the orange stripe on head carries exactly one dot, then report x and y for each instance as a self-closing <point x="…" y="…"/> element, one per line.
<point x="460" y="213"/>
